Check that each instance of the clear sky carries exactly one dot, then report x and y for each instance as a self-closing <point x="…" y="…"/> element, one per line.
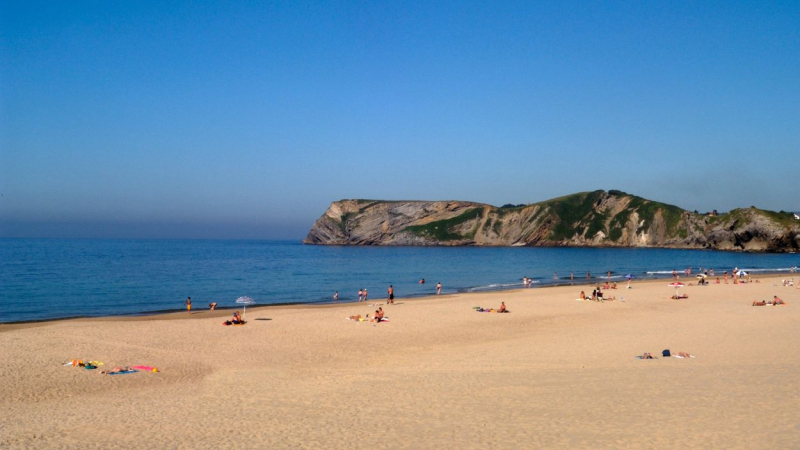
<point x="246" y="119"/>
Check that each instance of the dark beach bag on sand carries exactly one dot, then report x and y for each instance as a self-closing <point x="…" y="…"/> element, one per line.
<point x="666" y="353"/>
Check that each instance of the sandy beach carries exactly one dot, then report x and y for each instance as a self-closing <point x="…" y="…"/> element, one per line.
<point x="554" y="373"/>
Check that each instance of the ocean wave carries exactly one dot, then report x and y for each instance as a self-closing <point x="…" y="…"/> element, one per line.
<point x="781" y="269"/>
<point x="494" y="286"/>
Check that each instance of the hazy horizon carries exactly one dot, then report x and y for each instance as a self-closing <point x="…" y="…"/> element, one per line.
<point x="237" y="120"/>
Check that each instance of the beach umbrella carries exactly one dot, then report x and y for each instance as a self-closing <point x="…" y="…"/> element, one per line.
<point x="676" y="285"/>
<point x="245" y="301"/>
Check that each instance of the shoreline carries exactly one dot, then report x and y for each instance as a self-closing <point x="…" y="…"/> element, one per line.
<point x="224" y="311"/>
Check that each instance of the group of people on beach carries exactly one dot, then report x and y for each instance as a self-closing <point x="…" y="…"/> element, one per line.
<point x="379" y="316"/>
<point x="188" y="303"/>
<point x="501" y="309"/>
<point x="597" y="295"/>
<point x="775" y="302"/>
<point x="235" y="320"/>
<point x="666" y="354"/>
<point x="363" y="295"/>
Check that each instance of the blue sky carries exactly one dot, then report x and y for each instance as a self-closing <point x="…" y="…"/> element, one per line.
<point x="246" y="119"/>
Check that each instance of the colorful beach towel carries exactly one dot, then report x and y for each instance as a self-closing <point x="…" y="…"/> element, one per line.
<point x="124" y="372"/>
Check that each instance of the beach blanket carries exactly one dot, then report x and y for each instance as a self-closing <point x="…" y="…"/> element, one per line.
<point x="145" y="368"/>
<point x="81" y="363"/>
<point x="124" y="372"/>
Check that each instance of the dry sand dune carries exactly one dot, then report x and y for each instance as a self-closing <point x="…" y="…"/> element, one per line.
<point x="554" y="373"/>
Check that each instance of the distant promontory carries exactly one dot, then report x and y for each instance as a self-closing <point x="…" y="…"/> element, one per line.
<point x="586" y="219"/>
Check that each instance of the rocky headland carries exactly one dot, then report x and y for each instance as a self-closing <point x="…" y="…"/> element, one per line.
<point x="586" y="219"/>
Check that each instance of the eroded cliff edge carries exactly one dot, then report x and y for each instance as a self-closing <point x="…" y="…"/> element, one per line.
<point x="593" y="219"/>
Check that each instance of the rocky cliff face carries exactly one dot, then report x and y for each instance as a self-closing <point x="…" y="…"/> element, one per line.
<point x="599" y="218"/>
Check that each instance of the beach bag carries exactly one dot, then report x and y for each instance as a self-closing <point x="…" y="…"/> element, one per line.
<point x="666" y="353"/>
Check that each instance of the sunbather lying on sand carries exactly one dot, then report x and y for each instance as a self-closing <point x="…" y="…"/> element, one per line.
<point x="646" y="356"/>
<point x="502" y="307"/>
<point x="775" y="302"/>
<point x="679" y="297"/>
<point x="682" y="355"/>
<point x="358" y="318"/>
<point x="117" y="369"/>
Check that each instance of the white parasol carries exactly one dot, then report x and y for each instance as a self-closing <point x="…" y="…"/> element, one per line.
<point x="676" y="285"/>
<point x="245" y="301"/>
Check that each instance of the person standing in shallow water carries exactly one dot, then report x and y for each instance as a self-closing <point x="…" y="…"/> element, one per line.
<point x="361" y="295"/>
<point x="438" y="288"/>
<point x="390" y="292"/>
<point x="336" y="296"/>
<point x="188" y="304"/>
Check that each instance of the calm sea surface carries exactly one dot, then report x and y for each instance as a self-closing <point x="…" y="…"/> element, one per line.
<point x="51" y="278"/>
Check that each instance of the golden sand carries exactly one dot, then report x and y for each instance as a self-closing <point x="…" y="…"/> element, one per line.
<point x="554" y="373"/>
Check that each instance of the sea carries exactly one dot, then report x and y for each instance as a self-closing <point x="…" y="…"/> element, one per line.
<point x="44" y="279"/>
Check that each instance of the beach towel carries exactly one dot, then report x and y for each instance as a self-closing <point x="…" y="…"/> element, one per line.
<point x="145" y="368"/>
<point x="124" y="372"/>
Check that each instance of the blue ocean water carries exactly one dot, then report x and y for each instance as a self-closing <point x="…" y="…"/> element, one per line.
<point x="53" y="278"/>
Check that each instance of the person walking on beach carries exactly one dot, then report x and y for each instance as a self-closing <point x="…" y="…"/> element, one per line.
<point x="390" y="291"/>
<point x="188" y="304"/>
<point x="361" y="295"/>
<point x="438" y="288"/>
<point x="336" y="296"/>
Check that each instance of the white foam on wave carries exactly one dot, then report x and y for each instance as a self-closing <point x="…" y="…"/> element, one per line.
<point x="496" y="286"/>
<point x="781" y="269"/>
